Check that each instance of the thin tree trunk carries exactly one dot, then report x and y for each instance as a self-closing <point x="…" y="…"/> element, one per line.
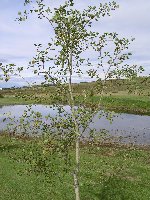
<point x="77" y="134"/>
<point x="76" y="172"/>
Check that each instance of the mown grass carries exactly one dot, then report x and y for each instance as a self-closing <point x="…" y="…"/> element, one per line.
<point x="107" y="172"/>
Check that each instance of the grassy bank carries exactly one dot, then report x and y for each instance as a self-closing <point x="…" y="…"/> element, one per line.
<point x="107" y="172"/>
<point x="118" y="103"/>
<point x="126" y="104"/>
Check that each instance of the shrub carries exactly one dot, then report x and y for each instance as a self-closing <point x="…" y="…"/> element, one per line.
<point x="1" y="96"/>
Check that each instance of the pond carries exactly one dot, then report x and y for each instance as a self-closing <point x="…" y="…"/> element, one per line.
<point x="125" y="128"/>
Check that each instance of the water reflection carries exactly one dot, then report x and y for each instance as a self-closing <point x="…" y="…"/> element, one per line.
<point x="126" y="128"/>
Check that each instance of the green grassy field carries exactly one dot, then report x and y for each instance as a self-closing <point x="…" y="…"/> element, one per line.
<point x="107" y="173"/>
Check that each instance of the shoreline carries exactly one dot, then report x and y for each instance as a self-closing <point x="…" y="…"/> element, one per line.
<point x="117" y="109"/>
<point x="85" y="144"/>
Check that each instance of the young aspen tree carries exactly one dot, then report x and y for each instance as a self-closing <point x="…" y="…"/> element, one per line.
<point x="59" y="62"/>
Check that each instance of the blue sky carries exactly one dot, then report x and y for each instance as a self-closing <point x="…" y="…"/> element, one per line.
<point x="16" y="40"/>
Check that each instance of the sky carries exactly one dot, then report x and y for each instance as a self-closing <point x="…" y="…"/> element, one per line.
<point x="132" y="19"/>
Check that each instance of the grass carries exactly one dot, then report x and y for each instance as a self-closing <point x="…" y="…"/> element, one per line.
<point x="123" y="104"/>
<point x="107" y="173"/>
<point x="127" y="104"/>
<point x="10" y="100"/>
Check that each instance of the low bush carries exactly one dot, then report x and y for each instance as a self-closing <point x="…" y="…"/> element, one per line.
<point x="1" y="96"/>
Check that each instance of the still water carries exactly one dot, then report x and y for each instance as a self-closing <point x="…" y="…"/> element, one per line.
<point x="125" y="128"/>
